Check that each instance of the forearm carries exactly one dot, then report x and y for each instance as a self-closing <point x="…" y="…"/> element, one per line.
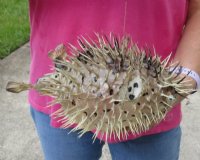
<point x="188" y="51"/>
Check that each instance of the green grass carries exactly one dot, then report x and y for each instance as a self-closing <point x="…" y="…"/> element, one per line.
<point x="14" y="25"/>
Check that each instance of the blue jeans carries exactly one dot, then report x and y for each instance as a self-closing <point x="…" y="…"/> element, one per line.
<point x="58" y="145"/>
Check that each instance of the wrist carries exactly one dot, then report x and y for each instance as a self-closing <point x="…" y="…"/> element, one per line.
<point x="189" y="80"/>
<point x="191" y="76"/>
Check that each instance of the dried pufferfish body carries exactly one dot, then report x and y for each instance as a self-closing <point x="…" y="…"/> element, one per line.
<point x="111" y="86"/>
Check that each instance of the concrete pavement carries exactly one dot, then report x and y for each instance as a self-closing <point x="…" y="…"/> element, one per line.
<point x="18" y="138"/>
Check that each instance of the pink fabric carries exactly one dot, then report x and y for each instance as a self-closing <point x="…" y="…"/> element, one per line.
<point x="155" y="23"/>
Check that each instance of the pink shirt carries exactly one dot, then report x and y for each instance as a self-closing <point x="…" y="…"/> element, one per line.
<point x="157" y="23"/>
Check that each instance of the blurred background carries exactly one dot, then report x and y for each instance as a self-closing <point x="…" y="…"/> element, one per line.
<point x="14" y="25"/>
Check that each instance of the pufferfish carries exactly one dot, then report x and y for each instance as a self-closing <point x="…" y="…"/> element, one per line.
<point x="110" y="85"/>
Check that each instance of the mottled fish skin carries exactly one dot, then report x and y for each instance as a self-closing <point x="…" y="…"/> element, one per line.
<point x="110" y="85"/>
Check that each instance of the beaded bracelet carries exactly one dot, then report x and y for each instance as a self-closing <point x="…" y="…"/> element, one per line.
<point x="189" y="73"/>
